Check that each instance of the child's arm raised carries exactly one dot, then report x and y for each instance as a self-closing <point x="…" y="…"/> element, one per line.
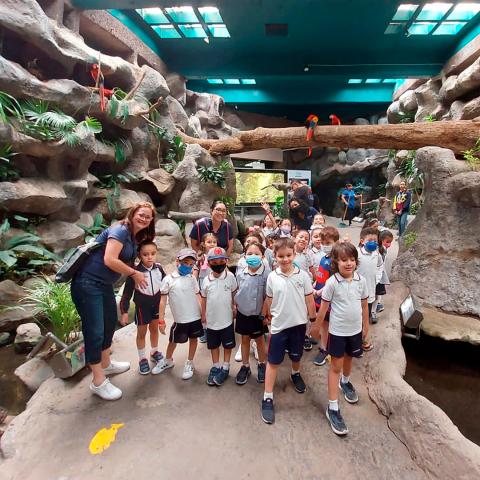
<point x="268" y="213"/>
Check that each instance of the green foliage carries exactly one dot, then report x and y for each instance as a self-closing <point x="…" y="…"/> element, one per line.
<point x="112" y="181"/>
<point x="98" y="226"/>
<point x="8" y="171"/>
<point x="9" y="107"/>
<point x="407" y="117"/>
<point x="181" y="225"/>
<point x="230" y="204"/>
<point x="22" y="255"/>
<point x="429" y="118"/>
<point x="54" y="308"/>
<point x="391" y="154"/>
<point x="409" y="171"/>
<point x="382" y="189"/>
<point x="472" y="156"/>
<point x="409" y="239"/>
<point x="415" y="207"/>
<point x="280" y="209"/>
<point x="174" y="145"/>
<point x="214" y="174"/>
<point x="119" y="146"/>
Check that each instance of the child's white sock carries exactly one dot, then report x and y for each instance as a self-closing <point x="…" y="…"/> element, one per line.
<point x="345" y="379"/>
<point x="267" y="395"/>
<point x="141" y="353"/>
<point x="295" y="371"/>
<point x="226" y="366"/>
<point x="216" y="365"/>
<point x="333" y="405"/>
<point x="153" y="350"/>
<point x="169" y="361"/>
<point x="246" y="365"/>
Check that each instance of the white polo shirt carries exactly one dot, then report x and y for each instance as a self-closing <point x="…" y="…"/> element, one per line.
<point x="182" y="297"/>
<point x="288" y="298"/>
<point x="345" y="299"/>
<point x="316" y="254"/>
<point x="303" y="260"/>
<point x="218" y="292"/>
<point x="370" y="266"/>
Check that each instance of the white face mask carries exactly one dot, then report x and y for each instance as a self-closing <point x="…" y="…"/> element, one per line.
<point x="326" y="249"/>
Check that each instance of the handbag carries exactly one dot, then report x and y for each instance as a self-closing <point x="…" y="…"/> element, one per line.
<point x="74" y="261"/>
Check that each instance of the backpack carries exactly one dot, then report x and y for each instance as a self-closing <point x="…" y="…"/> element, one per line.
<point x="74" y="261"/>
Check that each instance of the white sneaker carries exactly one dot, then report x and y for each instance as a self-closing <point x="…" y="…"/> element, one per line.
<point x="162" y="366"/>
<point x="238" y="355"/>
<point x="116" y="367"/>
<point x="106" y="390"/>
<point x="188" y="370"/>
<point x="254" y="349"/>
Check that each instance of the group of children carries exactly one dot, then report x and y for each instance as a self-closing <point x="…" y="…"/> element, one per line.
<point x="296" y="289"/>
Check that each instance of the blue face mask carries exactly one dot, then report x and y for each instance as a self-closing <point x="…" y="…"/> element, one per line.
<point x="371" y="246"/>
<point x="253" y="260"/>
<point x="184" y="270"/>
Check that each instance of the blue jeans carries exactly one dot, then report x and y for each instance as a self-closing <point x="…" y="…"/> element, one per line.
<point x="402" y="223"/>
<point x="96" y="305"/>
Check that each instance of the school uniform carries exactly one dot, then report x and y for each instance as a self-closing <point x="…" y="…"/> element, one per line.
<point x="370" y="266"/>
<point x="249" y="299"/>
<point x="345" y="326"/>
<point x="182" y="293"/>
<point x="219" y="314"/>
<point x="242" y="263"/>
<point x="289" y="313"/>
<point x="146" y="299"/>
<point x="384" y="280"/>
<point x="316" y="255"/>
<point x="303" y="261"/>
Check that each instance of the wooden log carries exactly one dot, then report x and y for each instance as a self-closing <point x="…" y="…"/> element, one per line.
<point x="456" y="135"/>
<point x="188" y="217"/>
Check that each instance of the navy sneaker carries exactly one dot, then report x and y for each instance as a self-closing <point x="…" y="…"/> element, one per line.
<point x="268" y="411"/>
<point x="380" y="307"/>
<point x="307" y="344"/>
<point x="213" y="372"/>
<point x="156" y="357"/>
<point x="298" y="382"/>
<point x="349" y="392"/>
<point x="203" y="338"/>
<point x="373" y="318"/>
<point x="261" y="368"/>
<point x="220" y="377"/>
<point x="242" y="375"/>
<point x="336" y="421"/>
<point x="321" y="357"/>
<point x="143" y="367"/>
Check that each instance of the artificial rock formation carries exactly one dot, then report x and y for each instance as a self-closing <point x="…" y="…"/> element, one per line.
<point x="442" y="264"/>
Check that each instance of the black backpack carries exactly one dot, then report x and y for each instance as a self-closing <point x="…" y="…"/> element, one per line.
<point x="74" y="261"/>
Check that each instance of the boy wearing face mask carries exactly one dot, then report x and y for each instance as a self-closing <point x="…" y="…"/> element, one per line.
<point x="249" y="299"/>
<point x="181" y="289"/>
<point x="370" y="267"/>
<point x="328" y="237"/>
<point x="218" y="309"/>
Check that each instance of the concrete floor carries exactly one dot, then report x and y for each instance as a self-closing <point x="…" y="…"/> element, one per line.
<point x="176" y="429"/>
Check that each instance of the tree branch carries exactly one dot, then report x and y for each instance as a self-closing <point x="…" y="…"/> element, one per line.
<point x="135" y="88"/>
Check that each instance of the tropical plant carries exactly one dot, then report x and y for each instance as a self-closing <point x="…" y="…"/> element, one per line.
<point x="116" y="105"/>
<point x="54" y="309"/>
<point x="112" y="181"/>
<point x="409" y="239"/>
<point x="21" y="255"/>
<point x="98" y="226"/>
<point x="120" y="145"/>
<point x="280" y="209"/>
<point x="412" y="175"/>
<point x="175" y="146"/>
<point x="407" y="117"/>
<point x="214" y="174"/>
<point x="8" y="172"/>
<point x="429" y="118"/>
<point x="472" y="156"/>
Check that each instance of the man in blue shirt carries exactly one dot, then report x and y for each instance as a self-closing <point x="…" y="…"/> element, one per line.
<point x="348" y="198"/>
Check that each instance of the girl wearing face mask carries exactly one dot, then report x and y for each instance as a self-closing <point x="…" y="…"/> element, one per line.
<point x="385" y="240"/>
<point x="371" y="264"/>
<point x="181" y="290"/>
<point x="249" y="299"/>
<point x="285" y="228"/>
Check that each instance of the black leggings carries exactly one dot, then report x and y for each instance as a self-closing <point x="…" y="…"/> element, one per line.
<point x="350" y="214"/>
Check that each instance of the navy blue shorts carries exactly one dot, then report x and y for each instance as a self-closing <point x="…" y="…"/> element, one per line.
<point x="225" y="337"/>
<point x="339" y="346"/>
<point x="249" y="325"/>
<point x="181" y="332"/>
<point x="291" y="339"/>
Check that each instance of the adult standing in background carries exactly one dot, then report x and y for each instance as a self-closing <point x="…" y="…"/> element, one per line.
<point x="217" y="224"/>
<point x="348" y="198"/>
<point x="401" y="206"/>
<point x="94" y="297"/>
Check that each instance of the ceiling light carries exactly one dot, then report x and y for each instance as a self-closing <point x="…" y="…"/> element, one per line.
<point x="373" y="80"/>
<point x="219" y="30"/>
<point x="210" y="14"/>
<point x="153" y="15"/>
<point x="248" y="81"/>
<point x="352" y="81"/>
<point x="393" y="28"/>
<point x="232" y="81"/>
<point x="405" y="12"/>
<point x="215" y="81"/>
<point x="306" y="68"/>
<point x="182" y="14"/>
<point x="434" y="11"/>
<point x="421" y="28"/>
<point x="194" y="30"/>
<point x="391" y="80"/>
<point x="166" y="31"/>
<point x="449" y="28"/>
<point x="464" y="11"/>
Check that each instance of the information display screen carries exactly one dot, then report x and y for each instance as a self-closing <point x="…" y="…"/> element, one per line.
<point x="251" y="186"/>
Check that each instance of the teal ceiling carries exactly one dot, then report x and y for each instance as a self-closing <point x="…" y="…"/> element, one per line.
<point x="337" y="39"/>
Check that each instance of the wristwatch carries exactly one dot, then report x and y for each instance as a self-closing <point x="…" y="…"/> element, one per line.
<point x="261" y="317"/>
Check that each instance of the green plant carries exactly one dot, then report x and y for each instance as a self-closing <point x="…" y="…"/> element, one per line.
<point x="382" y="189"/>
<point x="116" y="105"/>
<point x="414" y="177"/>
<point x="429" y="118"/>
<point x="280" y="209"/>
<point x="112" y="181"/>
<point x="119" y="146"/>
<point x="472" y="156"/>
<point x="181" y="225"/>
<point x="415" y="207"/>
<point x="8" y="171"/>
<point x="214" y="174"/>
<point x="21" y="255"/>
<point x="54" y="309"/>
<point x="98" y="226"/>
<point x="175" y="146"/>
<point x="407" y="117"/>
<point x="229" y="203"/>
<point x="409" y="239"/>
<point x="391" y="154"/>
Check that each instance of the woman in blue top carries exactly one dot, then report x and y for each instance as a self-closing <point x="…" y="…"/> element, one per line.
<point x="94" y="298"/>
<point x="348" y="198"/>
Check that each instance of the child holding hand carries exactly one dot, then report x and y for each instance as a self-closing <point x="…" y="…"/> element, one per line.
<point x="147" y="301"/>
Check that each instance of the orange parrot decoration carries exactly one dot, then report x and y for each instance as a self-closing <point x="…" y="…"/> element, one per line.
<point x="310" y="124"/>
<point x="97" y="75"/>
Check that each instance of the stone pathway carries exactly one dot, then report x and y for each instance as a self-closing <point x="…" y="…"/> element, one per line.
<point x="177" y="429"/>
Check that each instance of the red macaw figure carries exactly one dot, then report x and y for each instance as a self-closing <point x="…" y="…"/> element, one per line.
<point x="334" y="119"/>
<point x="97" y="75"/>
<point x="310" y="124"/>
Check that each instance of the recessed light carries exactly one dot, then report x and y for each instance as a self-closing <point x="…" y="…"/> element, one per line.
<point x="210" y="14"/>
<point x="464" y="11"/>
<point x="219" y="30"/>
<point x="166" y="31"/>
<point x="434" y="11"/>
<point x="215" y="81"/>
<point x="353" y="81"/>
<point x="182" y="14"/>
<point x="405" y="11"/>
<point x="192" y="30"/>
<point x="232" y="81"/>
<point x="153" y="15"/>
<point x="421" y="28"/>
<point x="449" y="28"/>
<point x="248" y="81"/>
<point x="373" y="80"/>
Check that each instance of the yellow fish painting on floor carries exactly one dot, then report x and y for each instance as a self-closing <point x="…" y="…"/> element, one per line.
<point x="103" y="438"/>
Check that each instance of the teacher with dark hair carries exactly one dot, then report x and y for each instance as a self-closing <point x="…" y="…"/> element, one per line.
<point x="94" y="298"/>
<point x="217" y="224"/>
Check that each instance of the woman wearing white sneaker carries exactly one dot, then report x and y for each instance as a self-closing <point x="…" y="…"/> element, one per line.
<point x="94" y="298"/>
